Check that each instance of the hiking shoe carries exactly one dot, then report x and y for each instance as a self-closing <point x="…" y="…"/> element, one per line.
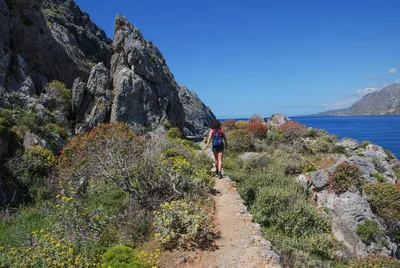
<point x="220" y="175"/>
<point x="216" y="172"/>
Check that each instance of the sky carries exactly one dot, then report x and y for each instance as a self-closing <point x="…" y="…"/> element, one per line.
<point x="266" y="56"/>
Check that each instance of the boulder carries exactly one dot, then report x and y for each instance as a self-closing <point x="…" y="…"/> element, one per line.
<point x="198" y="117"/>
<point x="349" y="211"/>
<point x="320" y="179"/>
<point x="32" y="139"/>
<point x="146" y="93"/>
<point x="375" y="151"/>
<point x="278" y="119"/>
<point x="348" y="143"/>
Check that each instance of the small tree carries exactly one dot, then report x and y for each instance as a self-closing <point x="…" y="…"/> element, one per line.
<point x="255" y="118"/>
<point x="113" y="152"/>
<point x="257" y="130"/>
<point x="292" y="130"/>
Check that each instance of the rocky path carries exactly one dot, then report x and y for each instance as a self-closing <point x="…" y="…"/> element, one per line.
<point x="240" y="243"/>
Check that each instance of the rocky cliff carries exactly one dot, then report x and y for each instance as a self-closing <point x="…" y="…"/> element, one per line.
<point x="383" y="102"/>
<point x="145" y="91"/>
<point x="198" y="117"/>
<point x="127" y="80"/>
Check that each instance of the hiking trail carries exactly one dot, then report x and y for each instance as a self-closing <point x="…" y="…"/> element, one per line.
<point x="240" y="243"/>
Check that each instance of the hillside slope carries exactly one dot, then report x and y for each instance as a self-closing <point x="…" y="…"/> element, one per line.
<point x="383" y="102"/>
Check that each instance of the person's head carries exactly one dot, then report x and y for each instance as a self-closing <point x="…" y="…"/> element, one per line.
<point x="216" y="124"/>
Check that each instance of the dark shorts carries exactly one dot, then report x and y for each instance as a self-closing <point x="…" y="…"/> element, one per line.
<point x="218" y="149"/>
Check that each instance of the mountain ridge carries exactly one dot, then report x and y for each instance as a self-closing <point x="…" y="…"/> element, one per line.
<point x="383" y="102"/>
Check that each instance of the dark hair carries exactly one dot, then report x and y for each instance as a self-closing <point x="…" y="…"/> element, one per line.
<point x="216" y="124"/>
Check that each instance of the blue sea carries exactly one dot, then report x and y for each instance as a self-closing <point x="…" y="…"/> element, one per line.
<point x="380" y="130"/>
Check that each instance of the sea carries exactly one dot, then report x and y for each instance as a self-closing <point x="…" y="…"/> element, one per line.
<point x="381" y="130"/>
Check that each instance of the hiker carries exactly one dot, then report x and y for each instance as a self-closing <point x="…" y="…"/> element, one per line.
<point x="217" y="136"/>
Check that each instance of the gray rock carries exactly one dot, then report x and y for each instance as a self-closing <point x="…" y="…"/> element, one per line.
<point x="146" y="93"/>
<point x="99" y="81"/>
<point x="78" y="91"/>
<point x="278" y="119"/>
<point x="198" y="117"/>
<point x="32" y="139"/>
<point x="320" y="179"/>
<point x="348" y="143"/>
<point x="349" y="211"/>
<point x="365" y="164"/>
<point x="95" y="102"/>
<point x="375" y="151"/>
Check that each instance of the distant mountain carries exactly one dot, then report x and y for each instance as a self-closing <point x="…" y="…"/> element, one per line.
<point x="383" y="102"/>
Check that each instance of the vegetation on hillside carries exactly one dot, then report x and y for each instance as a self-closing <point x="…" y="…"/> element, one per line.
<point x="111" y="198"/>
<point x="299" y="230"/>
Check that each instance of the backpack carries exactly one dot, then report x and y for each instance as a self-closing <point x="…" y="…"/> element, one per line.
<point x="217" y="138"/>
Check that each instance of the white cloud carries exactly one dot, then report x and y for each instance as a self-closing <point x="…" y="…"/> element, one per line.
<point x="392" y="71"/>
<point x="365" y="91"/>
<point x="349" y="100"/>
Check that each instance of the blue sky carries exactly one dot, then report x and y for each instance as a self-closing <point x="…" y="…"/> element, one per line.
<point x="288" y="56"/>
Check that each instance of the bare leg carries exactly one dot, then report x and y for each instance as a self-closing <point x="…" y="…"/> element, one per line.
<point x="216" y="161"/>
<point x="220" y="161"/>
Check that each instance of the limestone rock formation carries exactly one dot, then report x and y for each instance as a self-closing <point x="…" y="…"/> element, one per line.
<point x="47" y="40"/>
<point x="348" y="143"/>
<point x="146" y="93"/>
<point x="349" y="211"/>
<point x="277" y="119"/>
<point x="92" y="102"/>
<point x="198" y="117"/>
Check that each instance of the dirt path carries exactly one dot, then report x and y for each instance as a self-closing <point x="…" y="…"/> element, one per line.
<point x="240" y="243"/>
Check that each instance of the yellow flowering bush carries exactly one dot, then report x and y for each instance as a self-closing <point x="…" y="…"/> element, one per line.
<point x="179" y="224"/>
<point x="72" y="241"/>
<point x="39" y="159"/>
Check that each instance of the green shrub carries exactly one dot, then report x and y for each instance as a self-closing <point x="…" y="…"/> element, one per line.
<point x="345" y="176"/>
<point x="364" y="144"/>
<point x="39" y="160"/>
<point x="167" y="125"/>
<point x="5" y="128"/>
<point x="9" y="115"/>
<point x="31" y="121"/>
<point x="376" y="261"/>
<point x="379" y="177"/>
<point x="368" y="231"/>
<point x="309" y="167"/>
<point x="390" y="155"/>
<point x="120" y="257"/>
<point x="360" y="154"/>
<point x="174" y="133"/>
<point x="239" y="140"/>
<point x="338" y="149"/>
<point x="55" y="130"/>
<point x="107" y="196"/>
<point x="180" y="223"/>
<point x="323" y="144"/>
<point x="241" y="124"/>
<point x="385" y="198"/>
<point x="259" y="162"/>
<point x="62" y="89"/>
<point x="15" y="230"/>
